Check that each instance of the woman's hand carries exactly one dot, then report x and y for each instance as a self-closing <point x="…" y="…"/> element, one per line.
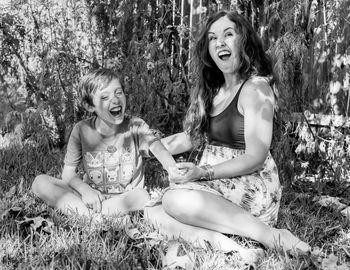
<point x="92" y="198"/>
<point x="185" y="172"/>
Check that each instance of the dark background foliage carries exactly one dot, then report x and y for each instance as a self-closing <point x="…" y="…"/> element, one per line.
<point x="46" y="46"/>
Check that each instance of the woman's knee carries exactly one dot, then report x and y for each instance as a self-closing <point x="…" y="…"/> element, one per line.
<point x="183" y="204"/>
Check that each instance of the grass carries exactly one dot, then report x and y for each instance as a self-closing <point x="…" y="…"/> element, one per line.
<point x="34" y="236"/>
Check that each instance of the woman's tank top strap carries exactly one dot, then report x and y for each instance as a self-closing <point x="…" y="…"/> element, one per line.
<point x="239" y="91"/>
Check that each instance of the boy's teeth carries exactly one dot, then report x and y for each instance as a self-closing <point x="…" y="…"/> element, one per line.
<point x="116" y="111"/>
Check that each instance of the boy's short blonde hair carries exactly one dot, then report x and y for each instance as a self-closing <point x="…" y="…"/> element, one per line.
<point x="96" y="79"/>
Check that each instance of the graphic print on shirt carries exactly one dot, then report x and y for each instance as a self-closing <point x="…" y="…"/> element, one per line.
<point x="112" y="174"/>
<point x="94" y="167"/>
<point x="95" y="176"/>
<point x="127" y="165"/>
<point x="111" y="159"/>
<point x="92" y="161"/>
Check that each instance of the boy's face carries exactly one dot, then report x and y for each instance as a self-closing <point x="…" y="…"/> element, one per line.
<point x="109" y="103"/>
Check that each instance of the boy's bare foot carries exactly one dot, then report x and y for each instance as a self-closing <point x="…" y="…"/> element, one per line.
<point x="252" y="256"/>
<point x="246" y="256"/>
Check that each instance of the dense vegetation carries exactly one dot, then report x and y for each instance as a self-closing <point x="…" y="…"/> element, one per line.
<point x="46" y="46"/>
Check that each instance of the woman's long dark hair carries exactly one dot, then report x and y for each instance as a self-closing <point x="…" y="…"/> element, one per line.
<point x="253" y="61"/>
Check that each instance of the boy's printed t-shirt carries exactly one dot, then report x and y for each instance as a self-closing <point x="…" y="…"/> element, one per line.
<point x="108" y="171"/>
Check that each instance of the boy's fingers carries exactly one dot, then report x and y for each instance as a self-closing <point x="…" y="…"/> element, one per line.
<point x="100" y="197"/>
<point x="98" y="207"/>
<point x="98" y="202"/>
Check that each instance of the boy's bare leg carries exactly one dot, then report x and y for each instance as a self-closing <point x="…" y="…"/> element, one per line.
<point x="56" y="193"/>
<point x="174" y="229"/>
<point x="123" y="203"/>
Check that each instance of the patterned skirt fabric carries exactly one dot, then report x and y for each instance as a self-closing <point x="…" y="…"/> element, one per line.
<point x="258" y="193"/>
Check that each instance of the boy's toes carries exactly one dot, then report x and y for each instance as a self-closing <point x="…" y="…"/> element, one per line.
<point x="252" y="256"/>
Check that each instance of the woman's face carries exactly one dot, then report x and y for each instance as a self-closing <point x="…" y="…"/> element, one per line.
<point x="224" y="45"/>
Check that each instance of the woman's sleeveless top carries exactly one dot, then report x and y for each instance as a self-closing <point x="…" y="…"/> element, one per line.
<point x="227" y="128"/>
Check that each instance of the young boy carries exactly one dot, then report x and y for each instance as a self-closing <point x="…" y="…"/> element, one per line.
<point x="110" y="145"/>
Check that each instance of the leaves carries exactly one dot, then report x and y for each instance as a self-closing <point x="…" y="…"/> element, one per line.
<point x="334" y="203"/>
<point x="15" y="189"/>
<point x="329" y="262"/>
<point x="36" y="224"/>
<point x="171" y="260"/>
<point x="13" y="211"/>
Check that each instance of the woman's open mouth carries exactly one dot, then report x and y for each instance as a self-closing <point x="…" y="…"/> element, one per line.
<point x="224" y="55"/>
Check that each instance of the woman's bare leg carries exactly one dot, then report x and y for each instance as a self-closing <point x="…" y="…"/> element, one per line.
<point x="174" y="229"/>
<point x="207" y="210"/>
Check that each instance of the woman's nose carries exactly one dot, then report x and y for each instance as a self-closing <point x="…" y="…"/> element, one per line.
<point x="220" y="42"/>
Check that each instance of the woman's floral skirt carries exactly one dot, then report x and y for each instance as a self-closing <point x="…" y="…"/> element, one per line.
<point x="258" y="193"/>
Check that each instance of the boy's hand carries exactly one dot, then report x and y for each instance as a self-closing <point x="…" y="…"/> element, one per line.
<point x="175" y="174"/>
<point x="92" y="198"/>
<point x="185" y="172"/>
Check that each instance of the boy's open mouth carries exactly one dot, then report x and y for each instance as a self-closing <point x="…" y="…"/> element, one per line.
<point x="224" y="55"/>
<point x="116" y="111"/>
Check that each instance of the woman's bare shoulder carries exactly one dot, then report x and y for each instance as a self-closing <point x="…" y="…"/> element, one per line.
<point x="256" y="90"/>
<point x="257" y="86"/>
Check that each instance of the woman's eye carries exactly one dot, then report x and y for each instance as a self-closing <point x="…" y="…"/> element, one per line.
<point x="229" y="34"/>
<point x="212" y="38"/>
<point x="104" y="97"/>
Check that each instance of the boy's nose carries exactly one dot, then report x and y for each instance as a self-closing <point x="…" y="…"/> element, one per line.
<point x="116" y="99"/>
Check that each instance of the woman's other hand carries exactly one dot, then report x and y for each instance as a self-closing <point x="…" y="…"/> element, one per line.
<point x="185" y="172"/>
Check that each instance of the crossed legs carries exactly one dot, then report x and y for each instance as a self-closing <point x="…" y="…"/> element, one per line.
<point x="57" y="194"/>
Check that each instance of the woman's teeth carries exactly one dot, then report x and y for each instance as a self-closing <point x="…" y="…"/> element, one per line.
<point x="224" y="55"/>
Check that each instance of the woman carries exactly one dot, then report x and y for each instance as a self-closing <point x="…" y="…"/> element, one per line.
<point x="235" y="188"/>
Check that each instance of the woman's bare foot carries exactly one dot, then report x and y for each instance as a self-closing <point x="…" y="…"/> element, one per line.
<point x="284" y="239"/>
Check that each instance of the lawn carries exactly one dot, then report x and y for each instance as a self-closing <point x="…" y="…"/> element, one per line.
<point x="34" y="236"/>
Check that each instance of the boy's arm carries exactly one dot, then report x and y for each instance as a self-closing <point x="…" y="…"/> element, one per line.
<point x="73" y="180"/>
<point x="177" y="143"/>
<point x="92" y="198"/>
<point x="162" y="154"/>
